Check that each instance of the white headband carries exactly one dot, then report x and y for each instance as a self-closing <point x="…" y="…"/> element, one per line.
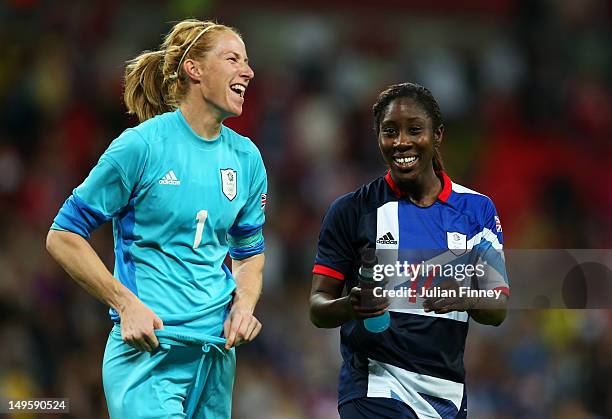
<point x="178" y="68"/>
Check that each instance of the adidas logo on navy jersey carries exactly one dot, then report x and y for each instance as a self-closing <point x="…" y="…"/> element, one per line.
<point x="387" y="239"/>
<point x="169" y="179"/>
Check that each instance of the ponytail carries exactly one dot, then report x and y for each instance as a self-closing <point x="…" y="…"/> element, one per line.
<point x="145" y="91"/>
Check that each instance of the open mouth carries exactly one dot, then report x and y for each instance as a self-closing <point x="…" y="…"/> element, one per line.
<point x="239" y="89"/>
<point x="405" y="162"/>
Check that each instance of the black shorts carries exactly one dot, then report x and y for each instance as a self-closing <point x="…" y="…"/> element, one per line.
<point x="375" y="408"/>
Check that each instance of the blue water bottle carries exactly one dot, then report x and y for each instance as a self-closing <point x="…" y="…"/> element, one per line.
<point x="367" y="282"/>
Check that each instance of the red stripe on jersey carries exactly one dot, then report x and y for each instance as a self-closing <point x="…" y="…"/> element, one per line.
<point x="447" y="186"/>
<point x="396" y="190"/>
<point x="324" y="270"/>
<point x="504" y="290"/>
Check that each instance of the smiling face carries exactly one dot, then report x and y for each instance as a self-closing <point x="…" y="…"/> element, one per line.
<point x="225" y="75"/>
<point x="407" y="141"/>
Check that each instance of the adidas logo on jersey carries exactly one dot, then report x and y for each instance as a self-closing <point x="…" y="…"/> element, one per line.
<point x="169" y="179"/>
<point x="387" y="239"/>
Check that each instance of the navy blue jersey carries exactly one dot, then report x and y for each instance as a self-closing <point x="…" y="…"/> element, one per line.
<point x="419" y="359"/>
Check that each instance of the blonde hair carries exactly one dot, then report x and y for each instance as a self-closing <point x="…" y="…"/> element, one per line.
<point x="155" y="81"/>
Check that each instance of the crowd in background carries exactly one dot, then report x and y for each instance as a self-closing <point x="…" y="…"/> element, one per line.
<point x="525" y="91"/>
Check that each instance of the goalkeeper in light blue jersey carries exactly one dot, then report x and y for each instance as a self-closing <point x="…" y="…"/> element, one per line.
<point x="181" y="190"/>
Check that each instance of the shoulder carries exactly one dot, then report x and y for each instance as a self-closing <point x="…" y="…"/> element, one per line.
<point x="129" y="144"/>
<point x="152" y="129"/>
<point x="466" y="192"/>
<point x="362" y="200"/>
<point x="343" y="203"/>
<point x="135" y="144"/>
<point x="471" y="201"/>
<point x="240" y="143"/>
<point x="139" y="139"/>
<point x="376" y="192"/>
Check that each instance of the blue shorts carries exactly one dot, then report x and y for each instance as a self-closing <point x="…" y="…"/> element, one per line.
<point x="185" y="377"/>
<point x="375" y="407"/>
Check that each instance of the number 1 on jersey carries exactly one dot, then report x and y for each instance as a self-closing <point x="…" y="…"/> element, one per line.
<point x="201" y="217"/>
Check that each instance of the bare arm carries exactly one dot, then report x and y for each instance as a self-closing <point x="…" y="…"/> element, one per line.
<point x="241" y="325"/>
<point x="490" y="311"/>
<point x="328" y="309"/>
<point x="83" y="264"/>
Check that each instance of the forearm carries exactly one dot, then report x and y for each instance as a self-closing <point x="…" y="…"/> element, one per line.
<point x="83" y="264"/>
<point x="492" y="311"/>
<point x="248" y="274"/>
<point x="328" y="312"/>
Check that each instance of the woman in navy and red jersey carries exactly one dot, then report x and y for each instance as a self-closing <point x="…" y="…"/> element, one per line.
<point x="414" y="369"/>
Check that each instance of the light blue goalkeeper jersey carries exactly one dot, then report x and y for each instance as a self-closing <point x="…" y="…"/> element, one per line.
<point x="178" y="204"/>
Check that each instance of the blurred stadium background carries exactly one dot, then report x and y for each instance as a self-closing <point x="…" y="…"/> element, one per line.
<point x="525" y="91"/>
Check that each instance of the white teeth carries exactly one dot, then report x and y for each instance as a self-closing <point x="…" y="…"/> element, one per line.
<point x="238" y="88"/>
<point x="406" y="160"/>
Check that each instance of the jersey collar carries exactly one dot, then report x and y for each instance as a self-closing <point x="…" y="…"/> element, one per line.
<point x="442" y="196"/>
<point x="194" y="138"/>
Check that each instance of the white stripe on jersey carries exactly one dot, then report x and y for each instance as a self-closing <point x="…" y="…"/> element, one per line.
<point x="384" y="378"/>
<point x="387" y="222"/>
<point x="486" y="234"/>
<point x="460" y="316"/>
<point x="462" y="189"/>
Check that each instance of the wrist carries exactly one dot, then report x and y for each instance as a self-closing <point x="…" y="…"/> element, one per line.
<point x="243" y="304"/>
<point x="123" y="299"/>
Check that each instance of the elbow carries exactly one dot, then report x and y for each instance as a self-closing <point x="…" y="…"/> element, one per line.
<point x="500" y="319"/>
<point x="317" y="322"/>
<point x="489" y="317"/>
<point x="496" y="322"/>
<point x="51" y="243"/>
<point x="501" y="314"/>
<point x="497" y="318"/>
<point x="315" y="315"/>
<point x="314" y="318"/>
<point x="58" y="241"/>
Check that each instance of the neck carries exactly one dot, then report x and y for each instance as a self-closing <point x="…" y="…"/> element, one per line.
<point x="203" y="121"/>
<point x="424" y="190"/>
